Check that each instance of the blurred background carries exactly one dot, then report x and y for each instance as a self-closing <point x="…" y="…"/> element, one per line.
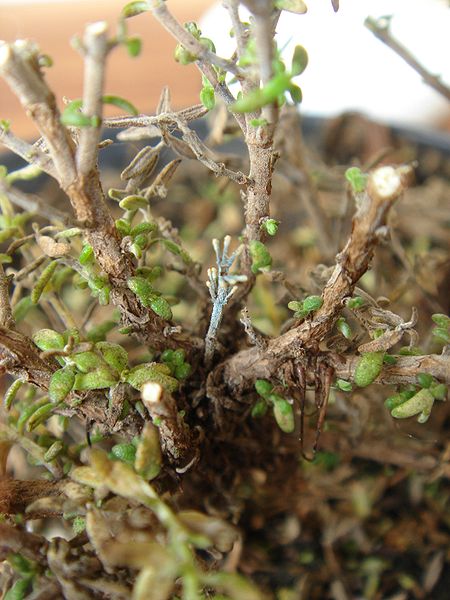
<point x="349" y="69"/>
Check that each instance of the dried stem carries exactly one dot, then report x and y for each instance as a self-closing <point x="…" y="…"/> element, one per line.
<point x="380" y="29"/>
<point x="6" y="318"/>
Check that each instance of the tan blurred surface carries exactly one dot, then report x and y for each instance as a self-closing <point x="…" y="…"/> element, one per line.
<point x="138" y="79"/>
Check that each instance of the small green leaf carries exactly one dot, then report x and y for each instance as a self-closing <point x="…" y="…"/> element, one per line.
<point x="143" y="228"/>
<point x="425" y="380"/>
<point x="182" y="371"/>
<point x="299" y="60"/>
<point x="48" y="339"/>
<point x="123" y="227"/>
<point x="439" y="391"/>
<point x="368" y="368"/>
<point x="78" y="525"/>
<point x="121" y="103"/>
<point x="422" y="403"/>
<point x="148" y="459"/>
<point x="95" y="380"/>
<point x="295" y="93"/>
<point x="344" y="328"/>
<point x="207" y="97"/>
<point x="11" y="393"/>
<point x="135" y="8"/>
<point x="442" y="334"/>
<point x="259" y="408"/>
<point x="40" y="415"/>
<point x="311" y="303"/>
<point x="134" y="46"/>
<point x="71" y="118"/>
<point x="263" y="387"/>
<point x="5" y="125"/>
<point x="270" y="93"/>
<point x="133" y="202"/>
<point x="54" y="451"/>
<point x="161" y="307"/>
<point x="142" y="288"/>
<point x="271" y="226"/>
<point x="61" y="384"/>
<point x="260" y="255"/>
<point x="114" y="355"/>
<point x="397" y="399"/>
<point x="441" y="320"/>
<point x="183" y="56"/>
<point x="43" y="280"/>
<point x="357" y="179"/>
<point x="344" y="386"/>
<point x="86" y="361"/>
<point x="86" y="255"/>
<point x="152" y="372"/>
<point x="19" y="590"/>
<point x="21" y="309"/>
<point x="284" y="414"/>
<point x="124" y="452"/>
<point x="295" y="6"/>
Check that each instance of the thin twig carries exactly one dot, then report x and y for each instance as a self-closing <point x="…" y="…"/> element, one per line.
<point x="186" y="39"/>
<point x="95" y="52"/>
<point x="19" y="67"/>
<point x="6" y="317"/>
<point x="380" y="29"/>
<point x="28" y="152"/>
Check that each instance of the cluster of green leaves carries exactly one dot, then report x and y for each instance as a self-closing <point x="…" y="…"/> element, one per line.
<point x="274" y="90"/>
<point x="418" y="399"/>
<point x="305" y="307"/>
<point x="282" y="409"/>
<point x="95" y="366"/>
<point x="176" y="361"/>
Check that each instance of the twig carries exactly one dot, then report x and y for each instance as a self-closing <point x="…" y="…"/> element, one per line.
<point x="186" y="39"/>
<point x="35" y="204"/>
<point x="380" y="29"/>
<point x="28" y="152"/>
<point x="6" y="317"/>
<point x="95" y="52"/>
<point x="19" y="67"/>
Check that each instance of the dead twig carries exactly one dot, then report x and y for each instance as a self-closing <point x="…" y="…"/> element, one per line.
<point x="380" y="29"/>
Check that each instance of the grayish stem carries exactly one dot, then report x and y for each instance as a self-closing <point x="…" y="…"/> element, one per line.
<point x="96" y="50"/>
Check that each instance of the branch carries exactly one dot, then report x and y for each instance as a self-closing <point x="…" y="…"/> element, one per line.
<point x="385" y="185"/>
<point x="28" y="152"/>
<point x="205" y="58"/>
<point x="19" y="67"/>
<point x="95" y="52"/>
<point x="6" y="317"/>
<point x="380" y="29"/>
<point x="405" y="370"/>
<point x="186" y="39"/>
